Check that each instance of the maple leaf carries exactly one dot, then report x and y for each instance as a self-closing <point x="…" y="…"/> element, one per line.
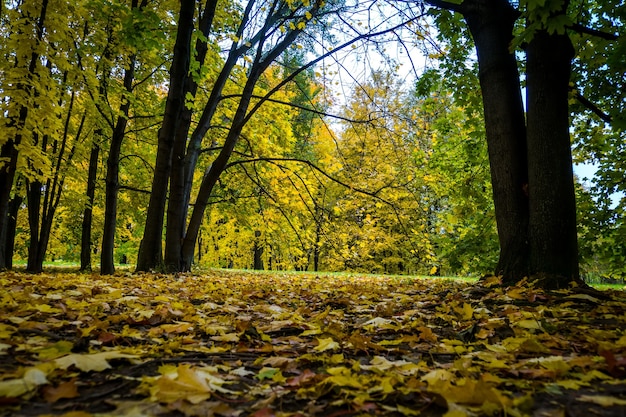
<point x="186" y="383"/>
<point x="326" y="344"/>
<point x="91" y="362"/>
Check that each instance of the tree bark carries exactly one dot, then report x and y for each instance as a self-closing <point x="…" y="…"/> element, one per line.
<point x="241" y="117"/>
<point x="107" y="261"/>
<point x="552" y="232"/>
<point x="33" y="196"/>
<point x="85" y="241"/>
<point x="257" y="252"/>
<point x="491" y="25"/>
<point x="11" y="226"/>
<point x="178" y="203"/>
<point x="150" y="254"/>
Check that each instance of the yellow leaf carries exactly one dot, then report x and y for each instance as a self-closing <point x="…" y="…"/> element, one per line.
<point x="585" y="297"/>
<point x="33" y="377"/>
<point x="379" y="323"/>
<point x="529" y="324"/>
<point x="387" y="385"/>
<point x="595" y="374"/>
<point x="189" y="388"/>
<point x="6" y="331"/>
<point x="406" y="411"/>
<point x="60" y="348"/>
<point x="344" y="381"/>
<point x="228" y="337"/>
<point x="91" y="362"/>
<point x="603" y="400"/>
<point x="571" y="384"/>
<point x="455" y="413"/>
<point x="326" y="344"/>
<point x="436" y="376"/>
<point x="468" y="311"/>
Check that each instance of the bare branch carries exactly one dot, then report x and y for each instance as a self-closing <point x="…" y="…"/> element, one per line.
<point x="445" y="5"/>
<point x="297" y="106"/>
<point x="344" y="45"/>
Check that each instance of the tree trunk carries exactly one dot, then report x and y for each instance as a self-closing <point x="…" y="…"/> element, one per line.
<point x="42" y="213"/>
<point x="178" y="203"/>
<point x="260" y="64"/>
<point x="552" y="232"/>
<point x="217" y="167"/>
<point x="14" y="207"/>
<point x="33" y="197"/>
<point x="85" y="241"/>
<point x="9" y="151"/>
<point x="491" y="25"/>
<point x="150" y="251"/>
<point x="257" y="252"/>
<point x="107" y="262"/>
<point x="7" y="175"/>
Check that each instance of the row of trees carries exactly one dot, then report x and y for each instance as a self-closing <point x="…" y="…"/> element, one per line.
<point x="164" y="133"/>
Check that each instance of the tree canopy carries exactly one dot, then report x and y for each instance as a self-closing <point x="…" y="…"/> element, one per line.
<point x="378" y="136"/>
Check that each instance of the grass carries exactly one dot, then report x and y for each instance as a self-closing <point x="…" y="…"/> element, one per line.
<point x="69" y="266"/>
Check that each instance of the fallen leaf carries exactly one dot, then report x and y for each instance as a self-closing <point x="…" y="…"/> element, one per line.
<point x="91" y="362"/>
<point x="32" y="378"/>
<point x="67" y="389"/>
<point x="603" y="400"/>
<point x="326" y="344"/>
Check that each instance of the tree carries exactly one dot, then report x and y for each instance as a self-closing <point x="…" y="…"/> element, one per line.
<point x="530" y="157"/>
<point x="21" y="81"/>
<point x="262" y="35"/>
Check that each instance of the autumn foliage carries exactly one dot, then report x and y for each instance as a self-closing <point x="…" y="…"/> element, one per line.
<point x="232" y="343"/>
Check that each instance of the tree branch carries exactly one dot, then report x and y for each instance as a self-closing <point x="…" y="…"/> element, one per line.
<point x="594" y="109"/>
<point x="445" y="5"/>
<point x="311" y="63"/>
<point x="316" y="168"/>
<point x="594" y="32"/>
<point x="137" y="190"/>
<point x="297" y="106"/>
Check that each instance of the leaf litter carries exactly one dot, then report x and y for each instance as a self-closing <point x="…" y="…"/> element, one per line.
<point x="243" y="344"/>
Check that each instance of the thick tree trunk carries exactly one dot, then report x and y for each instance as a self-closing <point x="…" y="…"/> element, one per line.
<point x="178" y="203"/>
<point x="491" y="24"/>
<point x="150" y="251"/>
<point x="85" y="242"/>
<point x="552" y="232"/>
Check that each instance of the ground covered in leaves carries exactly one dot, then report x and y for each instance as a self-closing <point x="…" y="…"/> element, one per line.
<point x="233" y="344"/>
